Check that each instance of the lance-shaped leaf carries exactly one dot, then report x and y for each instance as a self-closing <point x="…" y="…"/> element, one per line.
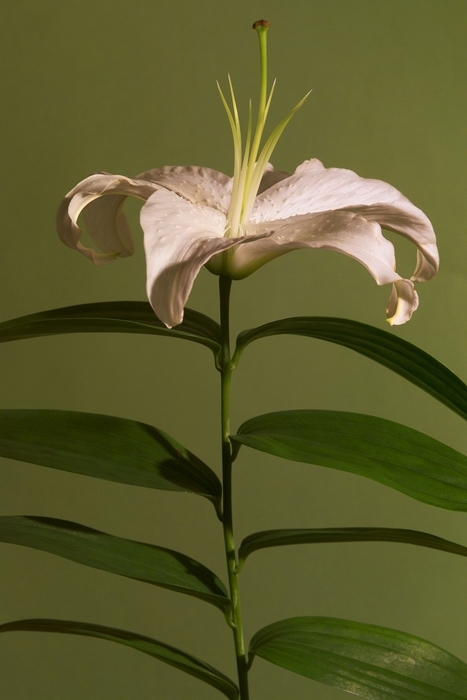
<point x="137" y="560"/>
<point x="106" y="447"/>
<point x="392" y="352"/>
<point x="111" y="317"/>
<point x="281" y="538"/>
<point x="387" y="452"/>
<point x="373" y="662"/>
<point x="163" y="652"/>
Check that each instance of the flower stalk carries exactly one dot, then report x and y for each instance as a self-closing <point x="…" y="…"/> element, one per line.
<point x="226" y="370"/>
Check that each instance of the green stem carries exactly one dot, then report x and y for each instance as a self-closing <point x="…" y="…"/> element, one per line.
<point x="231" y="557"/>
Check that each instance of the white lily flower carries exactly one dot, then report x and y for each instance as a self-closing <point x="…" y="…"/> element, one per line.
<point x="196" y="216"/>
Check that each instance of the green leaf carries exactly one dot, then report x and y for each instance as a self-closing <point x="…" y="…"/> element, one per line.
<point x="111" y="317"/>
<point x="105" y="447"/>
<point x="387" y="452"/>
<point x="280" y="538"/>
<point x="170" y="655"/>
<point x="374" y="662"/>
<point x="392" y="352"/>
<point x="137" y="560"/>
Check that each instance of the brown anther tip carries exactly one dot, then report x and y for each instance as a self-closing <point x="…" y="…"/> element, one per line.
<point x="261" y="23"/>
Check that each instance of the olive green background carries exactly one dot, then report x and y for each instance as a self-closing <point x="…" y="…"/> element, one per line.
<point x="126" y="86"/>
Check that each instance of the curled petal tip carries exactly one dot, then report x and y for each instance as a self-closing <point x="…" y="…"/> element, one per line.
<point x="100" y="198"/>
<point x="402" y="302"/>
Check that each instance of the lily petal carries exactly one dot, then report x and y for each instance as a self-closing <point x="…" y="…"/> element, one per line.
<point x="271" y="176"/>
<point x="314" y="188"/>
<point x="179" y="238"/>
<point x="342" y="231"/>
<point x="107" y="224"/>
<point x="411" y="226"/>
<point x="104" y="218"/>
<point x="198" y="185"/>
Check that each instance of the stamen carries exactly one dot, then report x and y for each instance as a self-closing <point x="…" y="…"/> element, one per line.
<point x="269" y="146"/>
<point x="238" y="186"/>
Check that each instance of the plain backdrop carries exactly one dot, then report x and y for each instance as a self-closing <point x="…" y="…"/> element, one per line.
<point x="126" y="86"/>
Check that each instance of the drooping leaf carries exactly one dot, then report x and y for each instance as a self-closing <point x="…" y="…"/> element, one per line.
<point x="387" y="452"/>
<point x="383" y="347"/>
<point x="111" y="317"/>
<point x="170" y="655"/>
<point x="281" y="538"/>
<point x="106" y="447"/>
<point x="373" y="662"/>
<point x="137" y="560"/>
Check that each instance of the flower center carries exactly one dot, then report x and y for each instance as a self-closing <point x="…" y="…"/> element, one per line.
<point x="250" y="162"/>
